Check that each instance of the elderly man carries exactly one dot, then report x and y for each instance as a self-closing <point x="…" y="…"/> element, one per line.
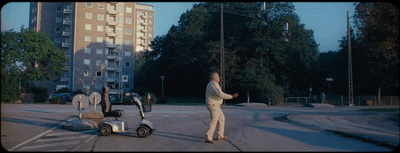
<point x="214" y="97"/>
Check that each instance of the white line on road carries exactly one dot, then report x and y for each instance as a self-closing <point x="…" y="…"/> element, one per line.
<point x="38" y="136"/>
<point x="61" y="138"/>
<point x="35" y="147"/>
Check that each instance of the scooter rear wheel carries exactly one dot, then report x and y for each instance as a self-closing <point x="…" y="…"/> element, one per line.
<point x="142" y="131"/>
<point x="105" y="130"/>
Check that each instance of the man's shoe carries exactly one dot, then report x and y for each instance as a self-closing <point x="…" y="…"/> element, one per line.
<point x="210" y="141"/>
<point x="223" y="138"/>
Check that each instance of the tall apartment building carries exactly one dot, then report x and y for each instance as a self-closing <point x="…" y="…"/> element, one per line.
<point x="99" y="38"/>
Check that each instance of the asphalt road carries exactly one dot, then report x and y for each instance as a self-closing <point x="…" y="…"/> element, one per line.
<point x="38" y="127"/>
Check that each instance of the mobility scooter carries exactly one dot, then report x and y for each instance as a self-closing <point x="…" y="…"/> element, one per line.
<point x="111" y="122"/>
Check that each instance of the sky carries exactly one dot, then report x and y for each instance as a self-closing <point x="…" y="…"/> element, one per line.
<point x="326" y="19"/>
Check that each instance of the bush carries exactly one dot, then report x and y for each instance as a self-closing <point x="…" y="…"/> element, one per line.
<point x="127" y="101"/>
<point x="162" y="100"/>
<point x="9" y="87"/>
<point x="57" y="100"/>
<point x="40" y="94"/>
<point x="152" y="99"/>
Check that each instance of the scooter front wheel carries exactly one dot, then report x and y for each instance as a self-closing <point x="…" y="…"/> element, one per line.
<point x="105" y="130"/>
<point x="143" y="131"/>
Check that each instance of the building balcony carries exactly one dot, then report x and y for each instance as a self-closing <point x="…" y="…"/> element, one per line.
<point x="111" y="79"/>
<point x="112" y="56"/>
<point x="112" y="12"/>
<point x="67" y="22"/>
<point x="111" y="46"/>
<point x="143" y="23"/>
<point x="64" y="79"/>
<point x="66" y="68"/>
<point x="143" y="30"/>
<point x="66" y="44"/>
<point x="67" y="11"/>
<point x="111" y="68"/>
<point x="111" y="34"/>
<point x="144" y="16"/>
<point x="143" y="37"/>
<point x="113" y="3"/>
<point x="112" y="23"/>
<point x="113" y="91"/>
<point x="66" y="34"/>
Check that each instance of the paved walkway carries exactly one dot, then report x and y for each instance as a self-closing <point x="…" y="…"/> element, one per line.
<point x="370" y="126"/>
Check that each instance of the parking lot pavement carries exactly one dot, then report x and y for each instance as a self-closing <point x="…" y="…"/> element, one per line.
<point x="182" y="128"/>
<point x="381" y="128"/>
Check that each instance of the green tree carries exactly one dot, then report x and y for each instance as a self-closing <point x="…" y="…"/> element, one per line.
<point x="377" y="47"/>
<point x="9" y="87"/>
<point x="31" y="56"/>
<point x="256" y="59"/>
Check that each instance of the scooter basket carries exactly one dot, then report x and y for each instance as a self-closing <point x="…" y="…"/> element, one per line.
<point x="146" y="107"/>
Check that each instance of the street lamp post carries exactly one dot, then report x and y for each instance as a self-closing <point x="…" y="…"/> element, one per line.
<point x="329" y="85"/>
<point x="118" y="50"/>
<point x="162" y="85"/>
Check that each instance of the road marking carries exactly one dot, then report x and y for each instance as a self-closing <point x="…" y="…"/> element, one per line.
<point x="71" y="133"/>
<point x="26" y="148"/>
<point x="38" y="136"/>
<point x="61" y="138"/>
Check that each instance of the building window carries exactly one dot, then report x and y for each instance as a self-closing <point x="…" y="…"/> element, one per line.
<point x="58" y="19"/>
<point x="88" y="27"/>
<point x="87" y="51"/>
<point x="99" y="39"/>
<point x="120" y="20"/>
<point x="128" y="9"/>
<point x="58" y="9"/>
<point x="57" y="40"/>
<point x="127" y="53"/>
<point x="150" y="14"/>
<point x="150" y="28"/>
<point x="119" y="30"/>
<point x="150" y="21"/>
<point x="98" y="86"/>
<point x="98" y="74"/>
<point x="127" y="42"/>
<point x="127" y="64"/>
<point x="99" y="51"/>
<point x="100" y="17"/>
<point x="126" y="85"/>
<point x="88" y="4"/>
<point x="98" y="62"/>
<point x="88" y="15"/>
<point x="100" y="6"/>
<point x="88" y="39"/>
<point x="100" y="28"/>
<point x="128" y="20"/>
<point x="118" y="41"/>
<point x="120" y="9"/>
<point x="58" y="30"/>
<point x="128" y="31"/>
<point x="86" y="85"/>
<point x="86" y="61"/>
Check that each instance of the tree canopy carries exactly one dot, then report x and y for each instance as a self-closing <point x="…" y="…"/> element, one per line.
<point x="30" y="56"/>
<point x="256" y="58"/>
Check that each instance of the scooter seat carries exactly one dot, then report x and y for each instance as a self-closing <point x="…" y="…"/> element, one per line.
<point x="115" y="113"/>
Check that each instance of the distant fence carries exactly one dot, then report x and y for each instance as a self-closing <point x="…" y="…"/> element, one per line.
<point x="297" y="100"/>
<point x="344" y="100"/>
<point x="362" y="100"/>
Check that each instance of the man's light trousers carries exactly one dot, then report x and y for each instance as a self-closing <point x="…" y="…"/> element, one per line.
<point x="217" y="116"/>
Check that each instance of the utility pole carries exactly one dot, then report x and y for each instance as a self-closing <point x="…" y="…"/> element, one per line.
<point x="350" y="78"/>
<point x="222" y="62"/>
